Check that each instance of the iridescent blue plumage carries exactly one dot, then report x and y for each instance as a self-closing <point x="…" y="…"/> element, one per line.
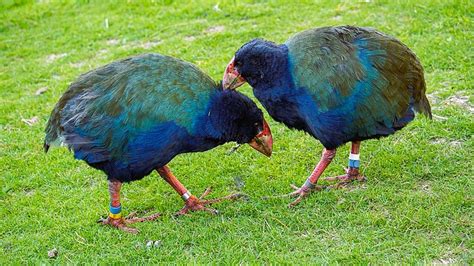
<point x="338" y="84"/>
<point x="134" y="115"/>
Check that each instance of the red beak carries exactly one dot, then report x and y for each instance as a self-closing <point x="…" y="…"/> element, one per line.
<point x="232" y="78"/>
<point x="263" y="142"/>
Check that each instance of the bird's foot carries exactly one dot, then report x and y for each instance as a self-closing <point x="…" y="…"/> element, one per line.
<point x="122" y="223"/>
<point x="352" y="174"/>
<point x="301" y="192"/>
<point x="199" y="204"/>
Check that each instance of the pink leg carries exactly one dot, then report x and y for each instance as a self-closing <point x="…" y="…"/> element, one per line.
<point x="352" y="172"/>
<point x="192" y="203"/>
<point x="115" y="217"/>
<point x="311" y="181"/>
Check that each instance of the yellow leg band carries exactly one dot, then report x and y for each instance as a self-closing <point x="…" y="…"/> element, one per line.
<point x="115" y="216"/>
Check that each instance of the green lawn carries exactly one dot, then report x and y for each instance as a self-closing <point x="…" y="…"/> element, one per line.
<point x="416" y="207"/>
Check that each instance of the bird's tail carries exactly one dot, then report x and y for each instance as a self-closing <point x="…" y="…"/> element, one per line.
<point x="421" y="103"/>
<point x="417" y="87"/>
<point x="51" y="131"/>
<point x="423" y="106"/>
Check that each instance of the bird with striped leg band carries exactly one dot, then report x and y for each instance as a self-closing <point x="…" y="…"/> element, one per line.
<point x="133" y="116"/>
<point x="115" y="218"/>
<point x="338" y="84"/>
<point x="352" y="172"/>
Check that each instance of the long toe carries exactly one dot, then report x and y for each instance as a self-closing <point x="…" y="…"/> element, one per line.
<point x="208" y="190"/>
<point x="184" y="211"/>
<point x="131" y="220"/>
<point x="296" y="201"/>
<point x="342" y="178"/>
<point x="302" y="192"/>
<point x="205" y="193"/>
<point x="293" y="194"/>
<point x="230" y="197"/>
<point x="351" y="174"/>
<point x="294" y="187"/>
<point x="199" y="204"/>
<point x="119" y="224"/>
<point x="199" y="207"/>
<point x="128" y="229"/>
<point x="345" y="180"/>
<point x="298" y="191"/>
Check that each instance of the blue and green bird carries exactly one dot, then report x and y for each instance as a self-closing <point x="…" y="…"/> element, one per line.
<point x="135" y="115"/>
<point x="338" y="84"/>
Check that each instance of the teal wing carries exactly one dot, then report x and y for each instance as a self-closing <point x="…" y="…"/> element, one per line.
<point x="106" y="108"/>
<point x="360" y="81"/>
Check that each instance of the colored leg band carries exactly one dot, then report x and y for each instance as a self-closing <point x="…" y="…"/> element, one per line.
<point x="186" y="195"/>
<point x="353" y="156"/>
<point x="115" y="210"/>
<point x="308" y="184"/>
<point x="354" y="163"/>
<point x="115" y="216"/>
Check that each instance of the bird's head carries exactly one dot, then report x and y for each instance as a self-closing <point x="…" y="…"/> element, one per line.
<point x="254" y="63"/>
<point x="237" y="118"/>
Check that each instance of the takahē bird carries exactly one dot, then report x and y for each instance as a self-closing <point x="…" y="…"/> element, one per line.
<point x="133" y="116"/>
<point x="338" y="84"/>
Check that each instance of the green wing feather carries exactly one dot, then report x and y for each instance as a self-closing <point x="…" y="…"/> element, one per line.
<point x="132" y="95"/>
<point x="357" y="67"/>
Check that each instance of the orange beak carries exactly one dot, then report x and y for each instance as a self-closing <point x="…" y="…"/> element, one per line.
<point x="263" y="142"/>
<point x="232" y="78"/>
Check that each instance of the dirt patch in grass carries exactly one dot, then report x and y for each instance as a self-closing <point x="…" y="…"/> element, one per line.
<point x="443" y="141"/>
<point x="112" y="42"/>
<point x="53" y="57"/>
<point x="444" y="261"/>
<point x="189" y="38"/>
<point x="215" y="29"/>
<point x="77" y="64"/>
<point x="150" y="44"/>
<point x="461" y="100"/>
<point x="425" y="187"/>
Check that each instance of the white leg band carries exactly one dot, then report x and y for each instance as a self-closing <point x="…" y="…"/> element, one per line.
<point x="355" y="157"/>
<point x="186" y="195"/>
